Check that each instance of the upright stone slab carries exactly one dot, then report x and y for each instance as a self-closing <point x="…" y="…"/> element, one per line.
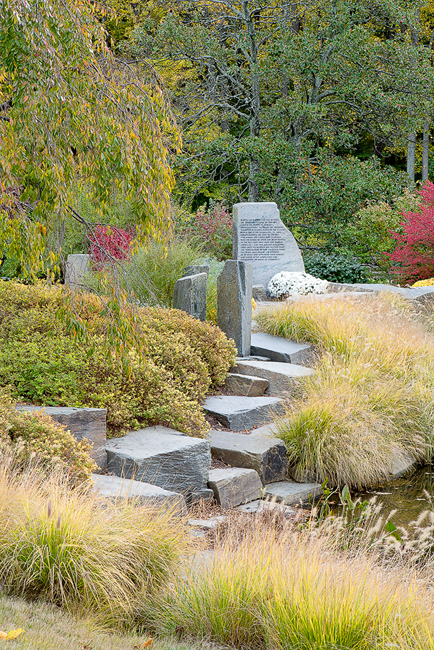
<point x="76" y="268"/>
<point x="194" y="269"/>
<point x="261" y="238"/>
<point x="190" y="295"/>
<point x="234" y="304"/>
<point x="86" y="423"/>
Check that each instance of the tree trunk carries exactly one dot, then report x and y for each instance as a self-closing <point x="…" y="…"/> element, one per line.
<point x="253" y="180"/>
<point x="411" y="154"/>
<point x="255" y="104"/>
<point x="425" y="156"/>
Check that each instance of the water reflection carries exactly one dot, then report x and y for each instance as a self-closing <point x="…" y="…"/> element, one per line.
<point x="405" y="495"/>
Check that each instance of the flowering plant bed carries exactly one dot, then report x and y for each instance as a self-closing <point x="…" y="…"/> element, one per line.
<point x="294" y="284"/>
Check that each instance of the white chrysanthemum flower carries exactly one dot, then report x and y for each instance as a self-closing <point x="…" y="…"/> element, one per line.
<point x="295" y="284"/>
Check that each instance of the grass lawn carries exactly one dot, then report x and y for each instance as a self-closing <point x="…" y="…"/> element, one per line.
<point x="48" y="628"/>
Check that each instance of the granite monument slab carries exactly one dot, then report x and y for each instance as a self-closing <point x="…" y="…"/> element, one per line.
<point x="262" y="239"/>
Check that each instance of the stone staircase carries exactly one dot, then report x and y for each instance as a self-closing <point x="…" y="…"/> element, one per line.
<point x="258" y="385"/>
<point x="162" y="466"/>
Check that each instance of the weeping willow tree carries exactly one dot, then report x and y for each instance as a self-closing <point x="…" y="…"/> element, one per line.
<point x="72" y="114"/>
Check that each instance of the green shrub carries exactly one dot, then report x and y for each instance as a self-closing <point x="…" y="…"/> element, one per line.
<point x="368" y="235"/>
<point x="27" y="435"/>
<point x="335" y="268"/>
<point x="80" y="551"/>
<point x="44" y="364"/>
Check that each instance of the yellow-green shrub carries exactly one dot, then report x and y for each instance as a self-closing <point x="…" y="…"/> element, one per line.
<point x="44" y="364"/>
<point x="27" y="435"/>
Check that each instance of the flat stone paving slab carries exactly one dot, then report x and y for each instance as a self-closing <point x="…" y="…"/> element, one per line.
<point x="246" y="385"/>
<point x="242" y="413"/>
<point x="267" y="456"/>
<point x="82" y="423"/>
<point x="290" y="493"/>
<point x="114" y="488"/>
<point x="277" y="348"/>
<point x="233" y="486"/>
<point x="263" y="506"/>
<point x="162" y="457"/>
<point x="280" y="375"/>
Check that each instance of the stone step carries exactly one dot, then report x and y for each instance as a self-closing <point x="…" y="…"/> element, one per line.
<point x="279" y="375"/>
<point x="242" y="413"/>
<point x="115" y="488"/>
<point x="233" y="486"/>
<point x="277" y="348"/>
<point x="256" y="507"/>
<point x="245" y="385"/>
<point x="267" y="456"/>
<point x="82" y="423"/>
<point x="163" y="457"/>
<point x="291" y="493"/>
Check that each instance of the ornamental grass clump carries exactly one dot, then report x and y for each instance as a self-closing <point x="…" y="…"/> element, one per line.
<point x="292" y="591"/>
<point x="80" y="551"/>
<point x="368" y="409"/>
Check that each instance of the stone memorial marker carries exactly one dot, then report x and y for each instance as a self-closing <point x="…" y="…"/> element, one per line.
<point x="194" y="269"/>
<point x="234" y="304"/>
<point x="190" y="295"/>
<point x="76" y="268"/>
<point x="261" y="238"/>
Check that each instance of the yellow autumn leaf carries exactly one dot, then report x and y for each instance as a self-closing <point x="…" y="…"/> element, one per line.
<point x="147" y="644"/>
<point x="12" y="634"/>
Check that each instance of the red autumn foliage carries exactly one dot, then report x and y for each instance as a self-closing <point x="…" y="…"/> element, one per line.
<point x="109" y="242"/>
<point x="413" y="258"/>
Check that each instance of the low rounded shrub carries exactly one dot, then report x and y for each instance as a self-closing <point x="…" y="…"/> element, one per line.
<point x="26" y="435"/>
<point x="44" y="364"/>
<point x="335" y="268"/>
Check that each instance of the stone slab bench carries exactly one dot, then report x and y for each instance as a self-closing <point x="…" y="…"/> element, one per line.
<point x="82" y="423"/>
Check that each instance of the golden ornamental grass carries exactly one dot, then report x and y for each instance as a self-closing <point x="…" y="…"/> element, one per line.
<point x="369" y="408"/>
<point x="292" y="592"/>
<point x="82" y="552"/>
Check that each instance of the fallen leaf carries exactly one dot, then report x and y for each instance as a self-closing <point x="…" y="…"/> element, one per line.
<point x="12" y="634"/>
<point x="147" y="644"/>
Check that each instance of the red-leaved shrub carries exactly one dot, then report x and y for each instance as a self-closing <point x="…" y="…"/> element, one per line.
<point x="109" y="242"/>
<point x="213" y="227"/>
<point x="413" y="258"/>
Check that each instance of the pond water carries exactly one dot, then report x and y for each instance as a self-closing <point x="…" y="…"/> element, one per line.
<point x="408" y="496"/>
